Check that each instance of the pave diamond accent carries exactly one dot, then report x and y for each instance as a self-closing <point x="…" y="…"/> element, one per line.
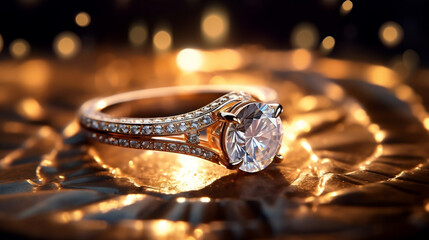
<point x="256" y="140"/>
<point x="135" y="129"/>
<point x="170" y="128"/>
<point x="183" y="127"/>
<point x="112" y="127"/>
<point x="146" y="130"/>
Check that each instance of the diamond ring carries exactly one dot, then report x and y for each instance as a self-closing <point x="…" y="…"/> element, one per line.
<point x="234" y="126"/>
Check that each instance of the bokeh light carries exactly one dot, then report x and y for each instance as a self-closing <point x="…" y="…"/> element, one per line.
<point x="30" y="108"/>
<point x="82" y="19"/>
<point x="301" y="59"/>
<point x="346" y="7"/>
<point x="162" y="40"/>
<point x="35" y="74"/>
<point x="189" y="60"/>
<point x="390" y="34"/>
<point x="19" y="48"/>
<point x="137" y="34"/>
<point x="304" y="35"/>
<point x="215" y="25"/>
<point x="328" y="44"/>
<point x="66" y="45"/>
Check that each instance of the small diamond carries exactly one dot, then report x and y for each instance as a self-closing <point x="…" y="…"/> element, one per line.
<point x="157" y="121"/>
<point x="147" y="145"/>
<point x="188" y="115"/>
<point x="95" y="124"/>
<point x="159" y="146"/>
<point x="184" y="148"/>
<point x="123" y="128"/>
<point x="170" y="128"/>
<point x="209" y="155"/>
<point x="135" y="129"/>
<point x="134" y="144"/>
<point x="180" y="118"/>
<point x="123" y="142"/>
<point x="195" y="124"/>
<point x="171" y="147"/>
<point x="196" y="151"/>
<point x="206" y="120"/>
<point x="206" y="109"/>
<point x="193" y="138"/>
<point x="103" y="126"/>
<point x="197" y="113"/>
<point x="168" y="120"/>
<point x="146" y="130"/>
<point x="112" y="127"/>
<point x="113" y="141"/>
<point x="215" y="104"/>
<point x="87" y="122"/>
<point x="183" y="127"/>
<point x="157" y="129"/>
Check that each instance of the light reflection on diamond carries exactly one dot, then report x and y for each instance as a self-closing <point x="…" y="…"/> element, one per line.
<point x="256" y="140"/>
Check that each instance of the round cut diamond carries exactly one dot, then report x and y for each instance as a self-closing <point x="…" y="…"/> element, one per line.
<point x="256" y="139"/>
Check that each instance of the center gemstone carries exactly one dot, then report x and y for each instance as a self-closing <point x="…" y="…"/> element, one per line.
<point x="256" y="139"/>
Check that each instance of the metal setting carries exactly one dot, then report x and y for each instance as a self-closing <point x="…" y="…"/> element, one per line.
<point x="199" y="133"/>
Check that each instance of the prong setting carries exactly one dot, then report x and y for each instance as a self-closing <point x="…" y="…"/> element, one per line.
<point x="229" y="117"/>
<point x="278" y="109"/>
<point x="278" y="158"/>
<point x="232" y="166"/>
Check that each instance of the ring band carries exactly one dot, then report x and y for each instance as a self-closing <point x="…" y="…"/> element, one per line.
<point x="239" y="127"/>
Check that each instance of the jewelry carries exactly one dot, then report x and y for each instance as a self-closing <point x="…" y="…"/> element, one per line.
<point x="236" y="129"/>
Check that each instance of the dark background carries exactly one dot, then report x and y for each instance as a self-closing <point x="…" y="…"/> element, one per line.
<point x="268" y="23"/>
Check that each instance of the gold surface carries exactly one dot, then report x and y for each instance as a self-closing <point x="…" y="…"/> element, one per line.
<point x="355" y="146"/>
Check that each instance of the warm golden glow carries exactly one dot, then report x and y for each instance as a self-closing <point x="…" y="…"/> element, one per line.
<point x="1" y="43"/>
<point x="307" y="103"/>
<point x="31" y="109"/>
<point x="71" y="129"/>
<point x="301" y="125"/>
<point x="137" y="34"/>
<point x="301" y="59"/>
<point x="390" y="34"/>
<point x="209" y="61"/>
<point x="404" y="92"/>
<point x="334" y="92"/>
<point x="66" y="45"/>
<point x="328" y="44"/>
<point x="181" y="200"/>
<point x="82" y="19"/>
<point x="162" y="228"/>
<point x="189" y="60"/>
<point x="346" y="7"/>
<point x="162" y="40"/>
<point x="35" y="74"/>
<point x="360" y="115"/>
<point x="426" y="123"/>
<point x="19" y="48"/>
<point x="304" y="35"/>
<point x="199" y="233"/>
<point x="379" y="136"/>
<point x="381" y="75"/>
<point x="205" y="199"/>
<point x="214" y="25"/>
